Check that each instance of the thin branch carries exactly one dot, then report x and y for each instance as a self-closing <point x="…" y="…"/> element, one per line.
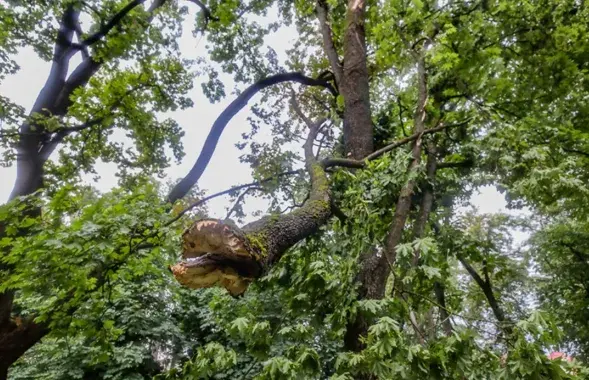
<point x="230" y="190"/>
<point x="439" y="291"/>
<point x="297" y="108"/>
<point x="344" y="162"/>
<point x="240" y="198"/>
<point x="219" y="125"/>
<point x="114" y="21"/>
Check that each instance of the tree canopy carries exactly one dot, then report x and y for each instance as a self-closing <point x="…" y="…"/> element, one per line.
<point x="369" y="131"/>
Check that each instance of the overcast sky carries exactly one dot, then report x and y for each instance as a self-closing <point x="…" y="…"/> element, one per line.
<point x="224" y="170"/>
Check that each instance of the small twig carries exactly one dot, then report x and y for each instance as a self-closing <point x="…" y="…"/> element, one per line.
<point x="227" y="191"/>
<point x="240" y="198"/>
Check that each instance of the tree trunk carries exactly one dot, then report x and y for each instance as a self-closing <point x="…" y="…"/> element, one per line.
<point x="358" y="130"/>
<point x="376" y="266"/>
<point x="15" y="339"/>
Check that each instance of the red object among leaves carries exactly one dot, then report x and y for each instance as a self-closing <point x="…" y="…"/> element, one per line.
<point x="559" y="355"/>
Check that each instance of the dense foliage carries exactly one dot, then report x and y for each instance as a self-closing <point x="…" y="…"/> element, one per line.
<point x="408" y="106"/>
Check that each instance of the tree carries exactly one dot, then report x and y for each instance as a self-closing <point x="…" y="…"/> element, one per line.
<point x="403" y="108"/>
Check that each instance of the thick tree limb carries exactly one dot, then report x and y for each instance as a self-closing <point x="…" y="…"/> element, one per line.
<point x="77" y="79"/>
<point x="427" y="198"/>
<point x="15" y="341"/>
<point x="219" y="125"/>
<point x="218" y="253"/>
<point x="374" y="268"/>
<point x="29" y="166"/>
<point x="16" y="335"/>
<point x="441" y="299"/>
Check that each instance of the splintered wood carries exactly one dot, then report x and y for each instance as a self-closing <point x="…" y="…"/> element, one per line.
<point x="215" y="253"/>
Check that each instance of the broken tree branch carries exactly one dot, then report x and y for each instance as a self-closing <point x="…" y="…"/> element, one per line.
<point x="219" y="253"/>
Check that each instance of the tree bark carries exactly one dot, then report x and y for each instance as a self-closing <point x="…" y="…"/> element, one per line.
<point x="16" y="340"/>
<point x="358" y="130"/>
<point x="352" y="78"/>
<point x="427" y="199"/>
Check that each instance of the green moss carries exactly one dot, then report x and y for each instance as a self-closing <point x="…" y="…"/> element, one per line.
<point x="258" y="242"/>
<point x="320" y="178"/>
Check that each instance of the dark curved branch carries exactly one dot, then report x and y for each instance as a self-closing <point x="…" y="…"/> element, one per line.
<point x="487" y="289"/>
<point x="78" y="78"/>
<point x="60" y="66"/>
<point x="182" y="188"/>
<point x="79" y="33"/>
<point x="439" y="290"/>
<point x="114" y="21"/>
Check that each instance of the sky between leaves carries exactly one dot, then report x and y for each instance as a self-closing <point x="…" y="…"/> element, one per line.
<point x="225" y="169"/>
